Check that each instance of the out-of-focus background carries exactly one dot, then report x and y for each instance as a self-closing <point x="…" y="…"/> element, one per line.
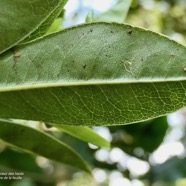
<point x="151" y="153"/>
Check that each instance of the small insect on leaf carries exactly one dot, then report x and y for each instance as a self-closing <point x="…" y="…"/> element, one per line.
<point x="184" y="69"/>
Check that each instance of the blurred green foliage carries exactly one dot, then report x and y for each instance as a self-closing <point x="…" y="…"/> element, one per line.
<point x="146" y="136"/>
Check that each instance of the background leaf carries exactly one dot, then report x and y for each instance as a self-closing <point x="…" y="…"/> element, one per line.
<point x="86" y="134"/>
<point x="46" y="25"/>
<point x="130" y="138"/>
<point x="19" y="19"/>
<point x="95" y="74"/>
<point x="117" y="13"/>
<point x="37" y="142"/>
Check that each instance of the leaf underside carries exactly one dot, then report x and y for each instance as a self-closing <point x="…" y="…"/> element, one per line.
<point x="94" y="74"/>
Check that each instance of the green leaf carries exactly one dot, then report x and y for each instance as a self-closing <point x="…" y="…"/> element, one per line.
<point x="24" y="161"/>
<point x="89" y="17"/>
<point x="94" y="74"/>
<point x="117" y="13"/>
<point x="49" y="23"/>
<point x="32" y="140"/>
<point x="147" y="136"/>
<point x="85" y="134"/>
<point x="18" y="19"/>
<point x="56" y="26"/>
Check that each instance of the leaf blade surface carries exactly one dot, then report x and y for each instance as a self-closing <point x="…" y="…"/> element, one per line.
<point x="94" y="74"/>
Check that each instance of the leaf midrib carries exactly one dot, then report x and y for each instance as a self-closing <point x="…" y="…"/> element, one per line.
<point x="87" y="83"/>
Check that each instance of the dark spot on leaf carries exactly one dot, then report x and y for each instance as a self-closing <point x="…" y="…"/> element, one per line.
<point x="91" y="30"/>
<point x="142" y="59"/>
<point x="107" y="55"/>
<point x="129" y="32"/>
<point x="84" y="66"/>
<point x="111" y="31"/>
